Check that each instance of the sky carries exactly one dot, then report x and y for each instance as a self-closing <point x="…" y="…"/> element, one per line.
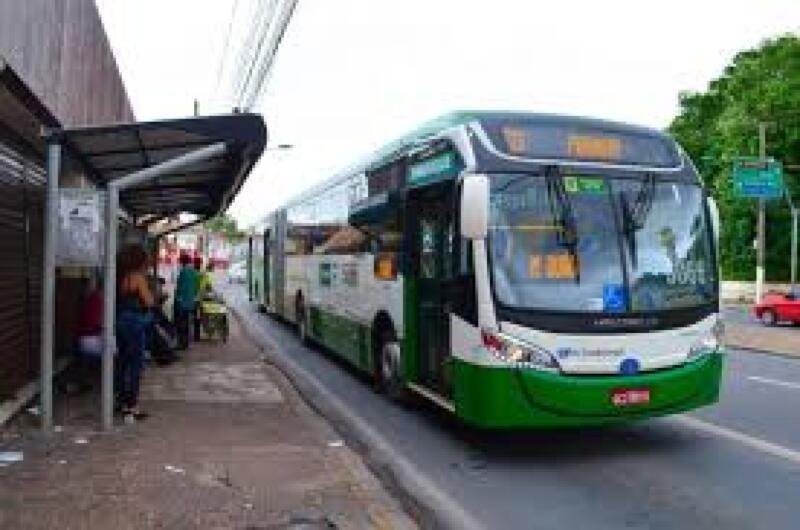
<point x="351" y="75"/>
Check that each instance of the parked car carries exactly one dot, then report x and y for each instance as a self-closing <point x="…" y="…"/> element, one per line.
<point x="237" y="273"/>
<point x="778" y="307"/>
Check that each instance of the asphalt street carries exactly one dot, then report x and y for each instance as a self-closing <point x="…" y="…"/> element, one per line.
<point x="733" y="465"/>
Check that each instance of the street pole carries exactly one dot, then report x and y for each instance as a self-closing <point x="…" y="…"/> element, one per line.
<point x="761" y="227"/>
<point x="49" y="284"/>
<point x="794" y="246"/>
<point x="109" y="310"/>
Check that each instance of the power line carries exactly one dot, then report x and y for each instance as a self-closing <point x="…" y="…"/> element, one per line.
<point x="283" y="24"/>
<point x="227" y="44"/>
<point x="265" y="31"/>
<point x="243" y="57"/>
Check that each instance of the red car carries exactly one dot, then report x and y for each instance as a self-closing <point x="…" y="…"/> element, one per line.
<point x="778" y="307"/>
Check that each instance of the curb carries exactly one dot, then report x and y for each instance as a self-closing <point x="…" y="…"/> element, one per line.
<point x="429" y="505"/>
<point x="760" y="351"/>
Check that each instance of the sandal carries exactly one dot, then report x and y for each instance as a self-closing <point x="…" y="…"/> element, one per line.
<point x="135" y="414"/>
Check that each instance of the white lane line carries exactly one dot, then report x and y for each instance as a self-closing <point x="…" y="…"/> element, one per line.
<point x="776" y="382"/>
<point x="745" y="439"/>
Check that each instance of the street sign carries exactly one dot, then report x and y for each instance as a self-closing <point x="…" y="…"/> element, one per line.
<point x="758" y="178"/>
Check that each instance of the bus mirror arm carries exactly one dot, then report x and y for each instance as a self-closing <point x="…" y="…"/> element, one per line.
<point x="475" y="207"/>
<point x="475" y="227"/>
<point x="487" y="319"/>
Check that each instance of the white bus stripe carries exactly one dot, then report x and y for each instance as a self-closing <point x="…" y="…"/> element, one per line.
<point x="745" y="439"/>
<point x="775" y="382"/>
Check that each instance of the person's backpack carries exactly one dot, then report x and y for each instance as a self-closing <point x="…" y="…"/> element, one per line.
<point x="164" y="339"/>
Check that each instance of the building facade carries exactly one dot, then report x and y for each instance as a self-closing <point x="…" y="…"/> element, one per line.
<point x="56" y="69"/>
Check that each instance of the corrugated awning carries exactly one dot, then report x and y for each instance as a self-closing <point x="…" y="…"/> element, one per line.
<point x="203" y="188"/>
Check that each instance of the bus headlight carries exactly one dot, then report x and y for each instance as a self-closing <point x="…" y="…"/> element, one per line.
<point x="518" y="353"/>
<point x="709" y="343"/>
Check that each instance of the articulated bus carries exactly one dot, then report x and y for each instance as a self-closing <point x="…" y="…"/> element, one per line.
<point x="520" y="270"/>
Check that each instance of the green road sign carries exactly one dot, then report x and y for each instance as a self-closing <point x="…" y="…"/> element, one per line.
<point x="757" y="178"/>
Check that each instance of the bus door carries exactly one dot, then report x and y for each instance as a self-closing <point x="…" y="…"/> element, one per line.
<point x="250" y="265"/>
<point x="267" y="258"/>
<point x="279" y="263"/>
<point x="431" y="220"/>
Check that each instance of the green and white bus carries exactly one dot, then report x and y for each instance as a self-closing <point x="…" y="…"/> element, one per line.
<point x="520" y="270"/>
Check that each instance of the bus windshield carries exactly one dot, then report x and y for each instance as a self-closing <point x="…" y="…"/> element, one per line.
<point x="598" y="244"/>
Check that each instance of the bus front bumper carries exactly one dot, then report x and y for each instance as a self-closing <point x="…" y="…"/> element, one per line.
<point x="508" y="398"/>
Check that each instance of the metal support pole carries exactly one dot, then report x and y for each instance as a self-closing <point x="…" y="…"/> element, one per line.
<point x="109" y="308"/>
<point x="110" y="285"/>
<point x="794" y="247"/>
<point x="762" y="222"/>
<point x="49" y="285"/>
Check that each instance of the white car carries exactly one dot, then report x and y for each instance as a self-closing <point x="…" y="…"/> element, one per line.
<point x="237" y="273"/>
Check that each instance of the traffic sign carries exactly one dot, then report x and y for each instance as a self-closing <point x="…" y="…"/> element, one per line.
<point x="758" y="178"/>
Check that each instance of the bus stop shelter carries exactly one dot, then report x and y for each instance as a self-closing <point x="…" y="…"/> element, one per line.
<point x="146" y="171"/>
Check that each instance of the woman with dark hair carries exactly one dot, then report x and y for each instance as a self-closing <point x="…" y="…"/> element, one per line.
<point x="134" y="302"/>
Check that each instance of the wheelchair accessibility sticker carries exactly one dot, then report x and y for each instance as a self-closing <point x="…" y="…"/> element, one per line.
<point x="613" y="298"/>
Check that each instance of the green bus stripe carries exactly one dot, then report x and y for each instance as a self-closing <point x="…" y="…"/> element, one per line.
<point x="347" y="337"/>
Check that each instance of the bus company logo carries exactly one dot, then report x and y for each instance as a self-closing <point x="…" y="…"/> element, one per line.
<point x="564" y="353"/>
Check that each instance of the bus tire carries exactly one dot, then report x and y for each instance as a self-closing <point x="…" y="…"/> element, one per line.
<point x="301" y="320"/>
<point x="391" y="380"/>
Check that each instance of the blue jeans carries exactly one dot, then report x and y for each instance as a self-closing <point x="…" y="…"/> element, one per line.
<point x="131" y="336"/>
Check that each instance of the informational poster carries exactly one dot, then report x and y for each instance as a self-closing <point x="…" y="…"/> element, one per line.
<point x="80" y="228"/>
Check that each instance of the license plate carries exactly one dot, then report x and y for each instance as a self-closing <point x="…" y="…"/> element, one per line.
<point x="626" y="397"/>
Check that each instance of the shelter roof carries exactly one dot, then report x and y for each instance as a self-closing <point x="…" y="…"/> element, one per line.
<point x="204" y="188"/>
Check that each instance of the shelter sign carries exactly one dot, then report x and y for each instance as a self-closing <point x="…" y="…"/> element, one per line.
<point x="758" y="178"/>
<point x="80" y="231"/>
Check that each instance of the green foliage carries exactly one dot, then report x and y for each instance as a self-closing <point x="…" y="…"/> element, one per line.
<point x="226" y="225"/>
<point x="762" y="84"/>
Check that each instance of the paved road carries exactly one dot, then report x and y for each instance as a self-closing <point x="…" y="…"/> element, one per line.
<point x="735" y="465"/>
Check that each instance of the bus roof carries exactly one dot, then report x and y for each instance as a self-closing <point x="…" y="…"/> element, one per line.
<point x="460" y="117"/>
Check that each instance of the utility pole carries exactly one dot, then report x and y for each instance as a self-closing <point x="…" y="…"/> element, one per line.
<point x="761" y="226"/>
<point x="794" y="246"/>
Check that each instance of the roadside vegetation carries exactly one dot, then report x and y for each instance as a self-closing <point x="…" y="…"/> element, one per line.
<point x="760" y="85"/>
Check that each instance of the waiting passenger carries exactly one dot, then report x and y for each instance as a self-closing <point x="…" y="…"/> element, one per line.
<point x="185" y="299"/>
<point x="134" y="302"/>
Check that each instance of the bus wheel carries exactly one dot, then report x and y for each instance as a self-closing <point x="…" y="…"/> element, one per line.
<point x="390" y="379"/>
<point x="302" y="324"/>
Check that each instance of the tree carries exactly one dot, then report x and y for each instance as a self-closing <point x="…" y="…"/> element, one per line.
<point x="226" y="225"/>
<point x="760" y="85"/>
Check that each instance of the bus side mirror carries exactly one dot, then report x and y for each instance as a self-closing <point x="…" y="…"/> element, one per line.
<point x="715" y="223"/>
<point x="475" y="207"/>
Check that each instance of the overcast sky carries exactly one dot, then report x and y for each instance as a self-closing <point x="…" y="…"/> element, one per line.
<point x="353" y="74"/>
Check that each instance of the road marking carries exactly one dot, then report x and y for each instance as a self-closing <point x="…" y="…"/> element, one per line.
<point x="776" y="382"/>
<point x="751" y="441"/>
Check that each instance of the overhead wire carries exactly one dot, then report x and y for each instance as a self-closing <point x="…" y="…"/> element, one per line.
<point x="226" y="47"/>
<point x="269" y="57"/>
<point x="264" y="31"/>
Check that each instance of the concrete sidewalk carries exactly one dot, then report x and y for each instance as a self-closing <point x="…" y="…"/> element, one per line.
<point x="229" y="445"/>
<point x="779" y="340"/>
<point x="744" y="331"/>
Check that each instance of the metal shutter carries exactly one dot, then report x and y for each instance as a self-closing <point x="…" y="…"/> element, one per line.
<point x="35" y="197"/>
<point x="21" y="243"/>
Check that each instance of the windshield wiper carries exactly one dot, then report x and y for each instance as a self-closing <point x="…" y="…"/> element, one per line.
<point x="563" y="216"/>
<point x="635" y="215"/>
